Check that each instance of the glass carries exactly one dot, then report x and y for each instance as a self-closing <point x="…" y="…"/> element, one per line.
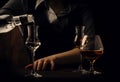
<point x="92" y="49"/>
<point x="77" y="30"/>
<point x="32" y="42"/>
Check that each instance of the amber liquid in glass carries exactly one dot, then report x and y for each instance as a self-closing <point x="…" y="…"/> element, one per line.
<point x="91" y="54"/>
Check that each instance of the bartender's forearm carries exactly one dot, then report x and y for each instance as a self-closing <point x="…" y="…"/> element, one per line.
<point x="68" y="57"/>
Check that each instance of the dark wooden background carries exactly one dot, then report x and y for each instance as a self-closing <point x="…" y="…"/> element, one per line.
<point x="13" y="53"/>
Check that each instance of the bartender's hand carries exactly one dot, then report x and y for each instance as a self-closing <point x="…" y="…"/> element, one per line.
<point x="43" y="63"/>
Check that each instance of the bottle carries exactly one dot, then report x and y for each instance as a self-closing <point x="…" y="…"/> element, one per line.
<point x="9" y="22"/>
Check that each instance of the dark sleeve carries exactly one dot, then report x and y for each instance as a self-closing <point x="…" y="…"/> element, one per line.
<point x="14" y="7"/>
<point x="88" y="21"/>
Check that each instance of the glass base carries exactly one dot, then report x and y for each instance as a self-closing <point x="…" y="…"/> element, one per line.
<point x="81" y="70"/>
<point x="30" y="73"/>
<point x="36" y="75"/>
<point x="95" y="72"/>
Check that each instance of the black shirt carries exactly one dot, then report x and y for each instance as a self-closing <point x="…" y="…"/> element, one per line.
<point x="57" y="34"/>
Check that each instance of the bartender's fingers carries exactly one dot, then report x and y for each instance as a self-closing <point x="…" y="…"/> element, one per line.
<point x="52" y="64"/>
<point x="35" y="65"/>
<point x="44" y="65"/>
<point x="28" y="66"/>
<point x="39" y="64"/>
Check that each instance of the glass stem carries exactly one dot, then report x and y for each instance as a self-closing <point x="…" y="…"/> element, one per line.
<point x="92" y="66"/>
<point x="81" y="61"/>
<point x="33" y="59"/>
<point x="80" y="67"/>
